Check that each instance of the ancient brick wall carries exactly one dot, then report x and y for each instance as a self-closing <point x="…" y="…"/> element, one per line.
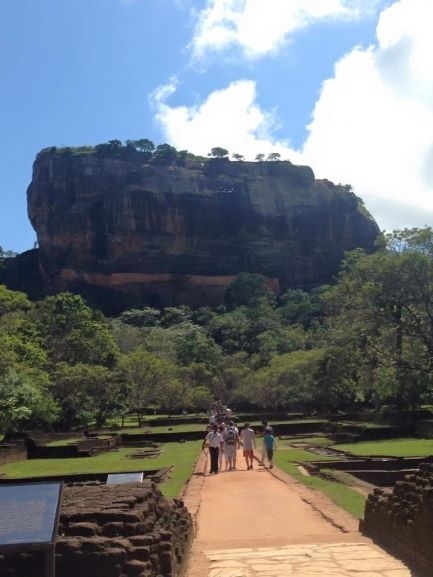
<point x="128" y="530"/>
<point x="402" y="521"/>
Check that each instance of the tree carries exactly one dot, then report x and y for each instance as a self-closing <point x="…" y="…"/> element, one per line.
<point x="164" y="154"/>
<point x="260" y="157"/>
<point x="247" y="290"/>
<point x="197" y="347"/>
<point x="175" y="316"/>
<point x="88" y="392"/>
<point x="199" y="398"/>
<point x="238" y="157"/>
<point x="289" y="381"/>
<point x="218" y="152"/>
<point x="13" y="301"/>
<point x="296" y="306"/>
<point x="144" y="145"/>
<point x="273" y="156"/>
<point x="382" y="307"/>
<point x="146" y="317"/>
<point x="146" y="377"/>
<point x="22" y="403"/>
<point x="173" y="397"/>
<point x="73" y="332"/>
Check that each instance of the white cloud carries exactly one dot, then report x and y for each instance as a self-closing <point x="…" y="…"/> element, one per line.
<point x="260" y="27"/>
<point x="372" y="126"/>
<point x="230" y="118"/>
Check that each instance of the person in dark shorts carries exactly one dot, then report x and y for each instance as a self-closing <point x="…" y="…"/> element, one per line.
<point x="214" y="441"/>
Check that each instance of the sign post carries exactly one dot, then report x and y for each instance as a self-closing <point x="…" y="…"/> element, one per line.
<point x="29" y="516"/>
<point x="114" y="478"/>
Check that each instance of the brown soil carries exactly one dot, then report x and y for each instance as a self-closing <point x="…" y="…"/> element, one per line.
<point x="259" y="508"/>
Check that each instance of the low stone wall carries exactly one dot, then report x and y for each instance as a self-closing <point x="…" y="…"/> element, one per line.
<point x="81" y="448"/>
<point x="402" y="521"/>
<point x="128" y="530"/>
<point x="11" y="452"/>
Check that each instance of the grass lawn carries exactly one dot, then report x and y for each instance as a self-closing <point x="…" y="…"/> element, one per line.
<point x="407" y="447"/>
<point x="181" y="455"/>
<point x="181" y="428"/>
<point x="286" y="458"/>
<point x="319" y="441"/>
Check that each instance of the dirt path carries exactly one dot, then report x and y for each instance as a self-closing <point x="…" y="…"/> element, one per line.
<point x="261" y="522"/>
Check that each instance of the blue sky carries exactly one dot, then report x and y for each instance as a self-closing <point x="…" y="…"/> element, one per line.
<point x="345" y="86"/>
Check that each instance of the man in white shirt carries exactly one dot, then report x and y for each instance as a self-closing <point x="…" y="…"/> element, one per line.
<point x="214" y="441"/>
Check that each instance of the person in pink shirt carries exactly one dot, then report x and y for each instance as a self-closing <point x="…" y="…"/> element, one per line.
<point x="248" y="441"/>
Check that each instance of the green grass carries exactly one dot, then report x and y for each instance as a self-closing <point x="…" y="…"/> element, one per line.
<point x="62" y="442"/>
<point x="343" y="496"/>
<point x="319" y="441"/>
<point x="408" y="447"/>
<point x="181" y="428"/>
<point x="181" y="456"/>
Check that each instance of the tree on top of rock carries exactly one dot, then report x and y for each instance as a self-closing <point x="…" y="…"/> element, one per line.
<point x="273" y="156"/>
<point x="218" y="152"/>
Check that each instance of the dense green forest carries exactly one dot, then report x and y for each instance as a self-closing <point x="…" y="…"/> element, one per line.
<point x="366" y="340"/>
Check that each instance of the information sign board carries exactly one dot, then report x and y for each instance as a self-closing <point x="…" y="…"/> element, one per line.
<point x="114" y="478"/>
<point x="29" y="516"/>
<point x="29" y="513"/>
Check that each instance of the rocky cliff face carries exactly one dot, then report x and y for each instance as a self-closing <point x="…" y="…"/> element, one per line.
<point x="134" y="233"/>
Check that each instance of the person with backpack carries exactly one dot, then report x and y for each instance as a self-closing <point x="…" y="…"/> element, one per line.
<point x="231" y="444"/>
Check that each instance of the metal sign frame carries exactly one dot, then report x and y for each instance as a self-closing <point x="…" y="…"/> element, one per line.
<point x="30" y="500"/>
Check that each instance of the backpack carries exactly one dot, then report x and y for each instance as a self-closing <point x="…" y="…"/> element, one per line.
<point x="230" y="436"/>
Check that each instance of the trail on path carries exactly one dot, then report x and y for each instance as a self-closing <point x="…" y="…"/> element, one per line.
<point x="261" y="522"/>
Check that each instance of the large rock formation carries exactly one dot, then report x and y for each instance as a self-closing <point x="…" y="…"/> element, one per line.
<point x="131" y="232"/>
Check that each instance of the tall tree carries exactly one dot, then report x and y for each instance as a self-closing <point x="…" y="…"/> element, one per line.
<point x="146" y="377"/>
<point x="73" y="332"/>
<point x="218" y="152"/>
<point x="87" y="392"/>
<point x="23" y="403"/>
<point x="382" y="305"/>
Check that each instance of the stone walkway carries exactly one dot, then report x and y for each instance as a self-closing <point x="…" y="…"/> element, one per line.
<point x="264" y="523"/>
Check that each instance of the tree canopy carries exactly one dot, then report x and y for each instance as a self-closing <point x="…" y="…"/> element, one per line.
<point x="366" y="340"/>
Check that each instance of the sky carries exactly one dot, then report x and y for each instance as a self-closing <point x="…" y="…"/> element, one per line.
<point x="344" y="86"/>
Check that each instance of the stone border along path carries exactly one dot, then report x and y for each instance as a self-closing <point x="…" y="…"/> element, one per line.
<point x="265" y="523"/>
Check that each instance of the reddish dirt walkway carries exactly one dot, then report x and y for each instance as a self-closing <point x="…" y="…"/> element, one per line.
<point x="249" y="522"/>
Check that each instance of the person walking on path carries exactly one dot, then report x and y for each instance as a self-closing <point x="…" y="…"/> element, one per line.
<point x="214" y="441"/>
<point x="269" y="429"/>
<point x="270" y="446"/>
<point x="222" y="453"/>
<point x="249" y="442"/>
<point x="231" y="444"/>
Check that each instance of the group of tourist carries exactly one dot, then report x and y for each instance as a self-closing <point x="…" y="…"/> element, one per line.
<point x="223" y="441"/>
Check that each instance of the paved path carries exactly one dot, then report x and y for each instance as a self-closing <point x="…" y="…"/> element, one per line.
<point x="264" y="523"/>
